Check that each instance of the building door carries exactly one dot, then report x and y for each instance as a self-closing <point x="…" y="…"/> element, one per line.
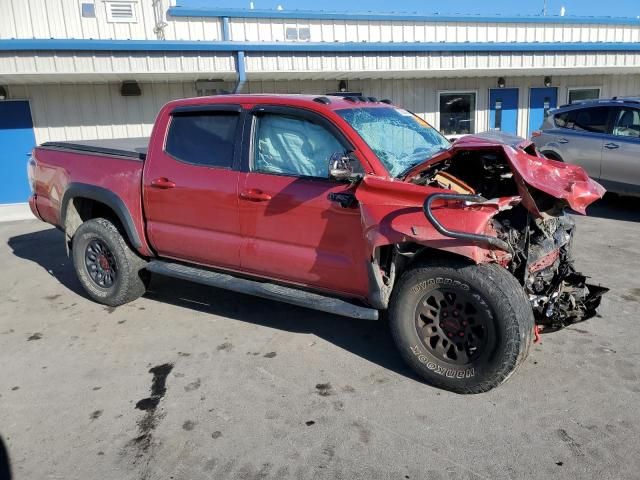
<point x="503" y="110"/>
<point x="541" y="100"/>
<point x="16" y="142"/>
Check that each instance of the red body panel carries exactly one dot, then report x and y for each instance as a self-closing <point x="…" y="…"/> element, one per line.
<point x="299" y="235"/>
<point x="196" y="219"/>
<point x="560" y="180"/>
<point x="54" y="170"/>
<point x="392" y="213"/>
<point x="284" y="227"/>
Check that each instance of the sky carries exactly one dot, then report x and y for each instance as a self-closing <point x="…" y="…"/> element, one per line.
<point x="611" y="8"/>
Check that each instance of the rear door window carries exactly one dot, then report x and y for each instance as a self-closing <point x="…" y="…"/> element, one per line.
<point x="592" y="119"/>
<point x="203" y="138"/>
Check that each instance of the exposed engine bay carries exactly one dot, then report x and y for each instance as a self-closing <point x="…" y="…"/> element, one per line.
<point x="540" y="237"/>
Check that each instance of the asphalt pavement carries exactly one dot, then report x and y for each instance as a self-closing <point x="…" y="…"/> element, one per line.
<point x="191" y="382"/>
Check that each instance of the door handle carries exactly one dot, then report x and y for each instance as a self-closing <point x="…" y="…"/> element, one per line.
<point x="255" y="195"/>
<point x="611" y="145"/>
<point x="563" y="140"/>
<point x="163" y="183"/>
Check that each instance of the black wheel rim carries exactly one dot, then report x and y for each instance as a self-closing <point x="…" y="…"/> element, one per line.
<point x="100" y="264"/>
<point x="454" y="326"/>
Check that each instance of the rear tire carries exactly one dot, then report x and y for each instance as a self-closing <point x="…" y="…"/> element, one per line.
<point x="108" y="269"/>
<point x="461" y="327"/>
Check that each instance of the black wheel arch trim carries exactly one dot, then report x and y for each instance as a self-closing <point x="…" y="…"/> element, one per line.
<point x="107" y="197"/>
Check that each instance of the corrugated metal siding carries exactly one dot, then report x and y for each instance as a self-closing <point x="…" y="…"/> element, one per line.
<point x="86" y="111"/>
<point x="187" y="28"/>
<point x="63" y="19"/>
<point x="434" y="63"/>
<point x="273" y="30"/>
<point x="69" y="65"/>
<point x="421" y="95"/>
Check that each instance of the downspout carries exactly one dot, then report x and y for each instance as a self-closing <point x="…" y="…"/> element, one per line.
<point x="242" y="74"/>
<point x="226" y="36"/>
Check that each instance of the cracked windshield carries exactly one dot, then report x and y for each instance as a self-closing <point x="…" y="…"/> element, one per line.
<point x="399" y="138"/>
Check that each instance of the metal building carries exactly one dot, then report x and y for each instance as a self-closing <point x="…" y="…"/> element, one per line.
<point x="82" y="69"/>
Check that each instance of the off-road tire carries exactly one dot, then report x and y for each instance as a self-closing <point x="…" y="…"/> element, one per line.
<point x="130" y="281"/>
<point x="509" y="316"/>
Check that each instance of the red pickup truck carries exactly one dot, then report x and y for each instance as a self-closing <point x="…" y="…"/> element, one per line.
<point x="348" y="205"/>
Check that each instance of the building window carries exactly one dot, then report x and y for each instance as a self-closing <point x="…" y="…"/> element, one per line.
<point x="121" y="11"/>
<point x="293" y="33"/>
<point x="457" y="113"/>
<point x="88" y="10"/>
<point x="581" y="94"/>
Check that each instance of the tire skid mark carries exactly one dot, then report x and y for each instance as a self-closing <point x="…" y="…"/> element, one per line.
<point x="574" y="446"/>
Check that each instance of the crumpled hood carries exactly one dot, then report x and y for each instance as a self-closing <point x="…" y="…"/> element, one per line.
<point x="560" y="180"/>
<point x="563" y="181"/>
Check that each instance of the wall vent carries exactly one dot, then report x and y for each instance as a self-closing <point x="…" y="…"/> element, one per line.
<point x="121" y="11"/>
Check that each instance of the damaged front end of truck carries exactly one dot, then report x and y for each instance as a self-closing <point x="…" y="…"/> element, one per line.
<point x="490" y="198"/>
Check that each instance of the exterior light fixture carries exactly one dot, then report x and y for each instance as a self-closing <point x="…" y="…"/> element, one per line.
<point x="501" y="82"/>
<point x="342" y="86"/>
<point x="547" y="81"/>
<point x="130" y="88"/>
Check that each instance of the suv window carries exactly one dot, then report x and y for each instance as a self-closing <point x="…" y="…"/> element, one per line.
<point x="565" y="119"/>
<point x="291" y="145"/>
<point x="203" y="138"/>
<point x="592" y="119"/>
<point x="627" y="123"/>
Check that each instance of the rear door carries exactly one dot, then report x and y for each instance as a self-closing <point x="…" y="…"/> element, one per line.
<point x="621" y="152"/>
<point x="191" y="187"/>
<point x="300" y="226"/>
<point x="579" y="136"/>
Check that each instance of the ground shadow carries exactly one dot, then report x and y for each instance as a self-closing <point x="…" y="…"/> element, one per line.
<point x="5" y="466"/>
<point x="370" y="340"/>
<point x="46" y="248"/>
<point x="616" y="208"/>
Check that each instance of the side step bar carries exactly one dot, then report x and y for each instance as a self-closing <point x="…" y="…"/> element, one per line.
<point x="263" y="289"/>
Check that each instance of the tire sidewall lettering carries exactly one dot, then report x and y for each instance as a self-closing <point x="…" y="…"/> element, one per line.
<point x="439" y="369"/>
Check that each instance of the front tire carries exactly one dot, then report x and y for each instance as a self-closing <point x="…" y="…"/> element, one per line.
<point x="461" y="327"/>
<point x="109" y="270"/>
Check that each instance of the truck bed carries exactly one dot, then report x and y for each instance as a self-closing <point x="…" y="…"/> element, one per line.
<point x="121" y="147"/>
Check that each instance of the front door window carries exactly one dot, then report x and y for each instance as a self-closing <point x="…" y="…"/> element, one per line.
<point x="289" y="145"/>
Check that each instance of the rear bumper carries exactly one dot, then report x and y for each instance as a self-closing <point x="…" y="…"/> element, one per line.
<point x="34" y="207"/>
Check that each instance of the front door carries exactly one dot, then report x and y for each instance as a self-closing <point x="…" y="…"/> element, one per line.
<point x="541" y="100"/>
<point x="503" y="110"/>
<point x="299" y="225"/>
<point x="16" y="142"/>
<point x="191" y="187"/>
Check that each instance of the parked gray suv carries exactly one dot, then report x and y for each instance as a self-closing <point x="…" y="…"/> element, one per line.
<point x="602" y="136"/>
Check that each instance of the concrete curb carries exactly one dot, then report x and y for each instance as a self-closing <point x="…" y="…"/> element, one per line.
<point x="15" y="211"/>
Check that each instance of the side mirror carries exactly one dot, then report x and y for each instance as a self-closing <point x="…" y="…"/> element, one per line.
<point x="340" y="166"/>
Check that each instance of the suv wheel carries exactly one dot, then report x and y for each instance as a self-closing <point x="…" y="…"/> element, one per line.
<point x="552" y="156"/>
<point x="108" y="269"/>
<point x="464" y="328"/>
